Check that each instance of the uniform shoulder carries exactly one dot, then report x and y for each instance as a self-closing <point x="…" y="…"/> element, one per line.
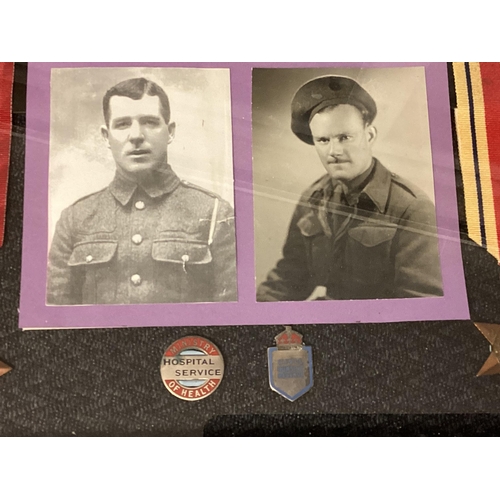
<point x="317" y="185"/>
<point x="82" y="212"/>
<point x="86" y="202"/>
<point x="407" y="187"/>
<point x="201" y="197"/>
<point x="411" y="201"/>
<point x="198" y="189"/>
<point x="88" y="199"/>
<point x="201" y="193"/>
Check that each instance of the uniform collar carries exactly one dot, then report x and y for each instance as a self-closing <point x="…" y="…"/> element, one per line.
<point x="163" y="182"/>
<point x="378" y="186"/>
<point x="353" y="189"/>
<point x="377" y="182"/>
<point x="376" y="189"/>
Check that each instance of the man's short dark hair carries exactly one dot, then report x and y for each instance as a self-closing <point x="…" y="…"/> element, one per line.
<point x="137" y="88"/>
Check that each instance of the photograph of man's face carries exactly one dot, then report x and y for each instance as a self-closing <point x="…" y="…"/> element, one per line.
<point x="134" y="216"/>
<point x="343" y="141"/>
<point x="137" y="133"/>
<point x="342" y="161"/>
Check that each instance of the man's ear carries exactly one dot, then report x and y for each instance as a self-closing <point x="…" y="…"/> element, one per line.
<point x="171" y="131"/>
<point x="372" y="134"/>
<point x="105" y="134"/>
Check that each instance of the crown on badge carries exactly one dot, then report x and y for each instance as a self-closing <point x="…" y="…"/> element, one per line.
<point x="288" y="339"/>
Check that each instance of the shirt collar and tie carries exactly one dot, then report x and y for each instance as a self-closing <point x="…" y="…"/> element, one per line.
<point x="330" y="198"/>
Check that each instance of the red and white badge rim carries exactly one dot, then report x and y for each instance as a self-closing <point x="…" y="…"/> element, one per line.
<point x="210" y="368"/>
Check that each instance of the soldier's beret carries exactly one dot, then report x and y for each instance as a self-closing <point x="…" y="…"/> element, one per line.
<point x="326" y="91"/>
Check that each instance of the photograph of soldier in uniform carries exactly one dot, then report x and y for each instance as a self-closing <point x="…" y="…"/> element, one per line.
<point x="343" y="162"/>
<point x="140" y="187"/>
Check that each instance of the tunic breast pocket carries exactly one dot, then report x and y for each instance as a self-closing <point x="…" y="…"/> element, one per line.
<point x="94" y="259"/>
<point x="179" y="251"/>
<point x="183" y="269"/>
<point x="368" y="253"/>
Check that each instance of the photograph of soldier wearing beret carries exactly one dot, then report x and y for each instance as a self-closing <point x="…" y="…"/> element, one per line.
<point x="355" y="142"/>
<point x="140" y="187"/>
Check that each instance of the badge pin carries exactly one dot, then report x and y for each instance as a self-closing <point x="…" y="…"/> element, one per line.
<point x="290" y="365"/>
<point x="192" y="368"/>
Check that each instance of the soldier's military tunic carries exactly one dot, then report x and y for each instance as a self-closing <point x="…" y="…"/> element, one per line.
<point x="378" y="243"/>
<point x="166" y="242"/>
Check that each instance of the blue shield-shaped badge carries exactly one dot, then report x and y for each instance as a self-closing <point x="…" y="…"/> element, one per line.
<point x="290" y="365"/>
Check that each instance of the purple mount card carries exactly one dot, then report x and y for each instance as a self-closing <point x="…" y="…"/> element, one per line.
<point x="68" y="159"/>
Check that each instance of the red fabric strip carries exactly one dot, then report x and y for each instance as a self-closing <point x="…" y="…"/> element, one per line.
<point x="6" y="81"/>
<point x="490" y="76"/>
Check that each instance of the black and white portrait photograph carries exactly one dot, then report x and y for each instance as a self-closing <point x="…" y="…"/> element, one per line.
<point x="344" y="203"/>
<point x="140" y="186"/>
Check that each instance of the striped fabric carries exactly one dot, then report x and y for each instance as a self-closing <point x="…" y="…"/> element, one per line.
<point x="477" y="119"/>
<point x="6" y="79"/>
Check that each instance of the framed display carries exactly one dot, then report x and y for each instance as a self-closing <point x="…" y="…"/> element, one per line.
<point x="243" y="193"/>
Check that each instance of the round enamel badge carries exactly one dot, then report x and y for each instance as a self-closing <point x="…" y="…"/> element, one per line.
<point x="192" y="368"/>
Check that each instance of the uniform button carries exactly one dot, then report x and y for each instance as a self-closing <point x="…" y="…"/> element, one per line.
<point x="89" y="259"/>
<point x="136" y="280"/>
<point x="139" y="205"/>
<point x="137" y="239"/>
